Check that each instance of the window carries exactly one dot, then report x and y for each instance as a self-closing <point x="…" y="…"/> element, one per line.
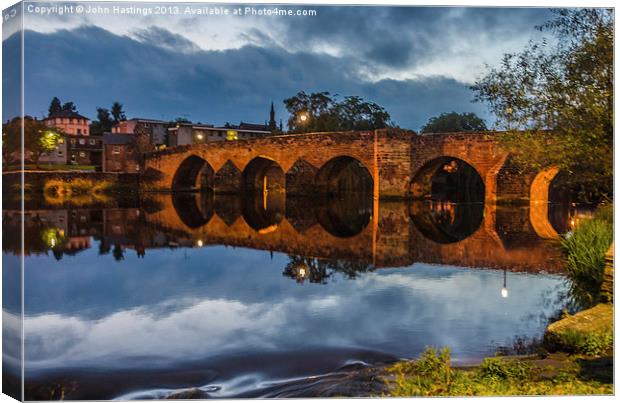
<point x="60" y="153"/>
<point x="79" y="131"/>
<point x="92" y="142"/>
<point x="72" y="157"/>
<point x="116" y="149"/>
<point x="73" y="141"/>
<point x="82" y="154"/>
<point x="82" y="141"/>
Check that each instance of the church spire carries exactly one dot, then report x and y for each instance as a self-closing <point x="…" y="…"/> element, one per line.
<point x="272" y="118"/>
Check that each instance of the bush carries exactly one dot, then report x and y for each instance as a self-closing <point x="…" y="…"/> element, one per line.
<point x="588" y="343"/>
<point x="585" y="250"/>
<point x="497" y="369"/>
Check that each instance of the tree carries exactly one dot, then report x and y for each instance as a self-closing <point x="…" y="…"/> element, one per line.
<point x="103" y="123"/>
<point x="55" y="107"/>
<point x="556" y="101"/>
<point x="69" y="107"/>
<point x="38" y="138"/>
<point x="141" y="144"/>
<point x="320" y="111"/>
<point x="118" y="253"/>
<point x="117" y="112"/>
<point x="454" y="122"/>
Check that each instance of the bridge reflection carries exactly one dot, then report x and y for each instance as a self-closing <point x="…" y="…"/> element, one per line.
<point x="346" y="228"/>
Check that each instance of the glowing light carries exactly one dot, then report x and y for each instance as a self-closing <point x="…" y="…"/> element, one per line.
<point x="231" y="135"/>
<point x="504" y="292"/>
<point x="302" y="272"/>
<point x="199" y="243"/>
<point x="303" y="117"/>
<point x="199" y="136"/>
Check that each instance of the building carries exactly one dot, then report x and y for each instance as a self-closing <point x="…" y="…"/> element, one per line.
<point x="69" y="122"/>
<point x="190" y="133"/>
<point x="85" y="150"/>
<point x="156" y="129"/>
<point x="119" y="154"/>
<point x="57" y="157"/>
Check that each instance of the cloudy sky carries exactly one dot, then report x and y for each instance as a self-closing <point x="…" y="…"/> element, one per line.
<point x="417" y="62"/>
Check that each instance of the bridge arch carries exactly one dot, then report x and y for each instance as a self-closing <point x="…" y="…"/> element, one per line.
<point x="344" y="174"/>
<point x="192" y="174"/>
<point x="263" y="173"/>
<point x="539" y="203"/>
<point x="448" y="178"/>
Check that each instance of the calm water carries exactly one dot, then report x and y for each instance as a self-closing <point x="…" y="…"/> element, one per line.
<point x="246" y="297"/>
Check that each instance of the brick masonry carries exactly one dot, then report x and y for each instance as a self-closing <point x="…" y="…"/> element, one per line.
<point x="395" y="159"/>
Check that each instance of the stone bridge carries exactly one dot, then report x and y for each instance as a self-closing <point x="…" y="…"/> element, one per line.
<point x="394" y="163"/>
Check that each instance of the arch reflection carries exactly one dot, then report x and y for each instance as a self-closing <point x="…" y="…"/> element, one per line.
<point x="263" y="212"/>
<point x="194" y="209"/>
<point x="446" y="222"/>
<point x="344" y="215"/>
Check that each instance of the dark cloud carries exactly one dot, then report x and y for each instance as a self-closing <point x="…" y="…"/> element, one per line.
<point x="94" y="67"/>
<point x="165" y="39"/>
<point x="398" y="36"/>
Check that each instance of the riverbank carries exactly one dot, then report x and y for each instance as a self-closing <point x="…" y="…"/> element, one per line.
<point x="576" y="357"/>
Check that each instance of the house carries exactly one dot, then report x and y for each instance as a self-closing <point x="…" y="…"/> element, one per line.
<point x="69" y="122"/>
<point x="191" y="133"/>
<point x="85" y="150"/>
<point x="156" y="129"/>
<point x="119" y="154"/>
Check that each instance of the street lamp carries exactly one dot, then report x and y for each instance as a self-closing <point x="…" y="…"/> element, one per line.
<point x="303" y="117"/>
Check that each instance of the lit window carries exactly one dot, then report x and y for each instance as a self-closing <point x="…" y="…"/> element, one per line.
<point x="82" y="141"/>
<point x="82" y="154"/>
<point x="92" y="142"/>
<point x="116" y="150"/>
<point x="73" y="141"/>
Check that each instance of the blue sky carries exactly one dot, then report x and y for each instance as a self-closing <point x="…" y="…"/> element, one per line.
<point x="416" y="62"/>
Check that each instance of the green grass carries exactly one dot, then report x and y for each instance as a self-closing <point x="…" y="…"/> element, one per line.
<point x="51" y="167"/>
<point x="584" y="250"/>
<point x="432" y="375"/>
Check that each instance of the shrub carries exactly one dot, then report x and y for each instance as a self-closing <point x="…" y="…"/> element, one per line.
<point x="588" y="343"/>
<point x="585" y="250"/>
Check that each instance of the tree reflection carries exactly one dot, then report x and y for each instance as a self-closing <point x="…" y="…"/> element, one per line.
<point x="319" y="271"/>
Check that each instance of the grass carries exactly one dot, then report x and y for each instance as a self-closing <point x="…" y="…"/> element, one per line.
<point x="432" y="375"/>
<point x="588" y="332"/>
<point x="51" y="167"/>
<point x="584" y="250"/>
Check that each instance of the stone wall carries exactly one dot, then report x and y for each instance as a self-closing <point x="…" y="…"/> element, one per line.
<point x="395" y="159"/>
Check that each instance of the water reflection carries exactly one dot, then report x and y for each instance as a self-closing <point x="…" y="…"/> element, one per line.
<point x="225" y="292"/>
<point x="447" y="222"/>
<point x="319" y="271"/>
<point x="330" y="228"/>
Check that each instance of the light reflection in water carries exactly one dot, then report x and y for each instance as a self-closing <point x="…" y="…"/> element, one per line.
<point x="136" y="298"/>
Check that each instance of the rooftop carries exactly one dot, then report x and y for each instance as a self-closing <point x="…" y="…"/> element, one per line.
<point x="117" y="138"/>
<point x="66" y="114"/>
